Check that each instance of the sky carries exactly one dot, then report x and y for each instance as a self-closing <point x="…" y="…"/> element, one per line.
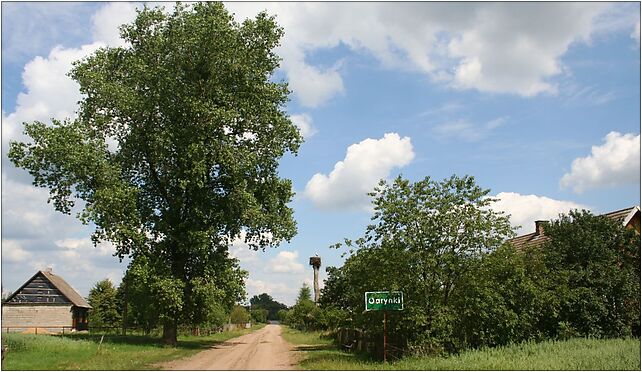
<point x="540" y="102"/>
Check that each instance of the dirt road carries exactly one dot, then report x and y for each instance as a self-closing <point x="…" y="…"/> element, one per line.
<point x="264" y="349"/>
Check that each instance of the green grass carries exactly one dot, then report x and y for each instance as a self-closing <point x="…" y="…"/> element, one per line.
<point x="82" y="351"/>
<point x="575" y="354"/>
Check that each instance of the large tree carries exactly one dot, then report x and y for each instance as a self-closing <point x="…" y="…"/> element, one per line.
<point x="176" y="145"/>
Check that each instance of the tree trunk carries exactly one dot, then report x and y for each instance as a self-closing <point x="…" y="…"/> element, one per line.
<point x="169" y="333"/>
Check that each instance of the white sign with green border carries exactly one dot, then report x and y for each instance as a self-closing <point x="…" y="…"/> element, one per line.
<point x="384" y="301"/>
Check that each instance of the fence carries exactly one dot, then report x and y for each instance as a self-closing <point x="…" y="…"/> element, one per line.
<point x="129" y="330"/>
<point x="39" y="329"/>
<point x="371" y="342"/>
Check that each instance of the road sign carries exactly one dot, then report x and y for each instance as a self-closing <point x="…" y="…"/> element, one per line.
<point x="386" y="301"/>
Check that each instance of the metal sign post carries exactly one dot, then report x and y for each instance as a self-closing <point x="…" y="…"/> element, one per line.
<point x="385" y="335"/>
<point x="384" y="301"/>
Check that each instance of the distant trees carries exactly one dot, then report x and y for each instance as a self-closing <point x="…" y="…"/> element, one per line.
<point x="259" y="315"/>
<point x="105" y="305"/>
<point x="265" y="301"/>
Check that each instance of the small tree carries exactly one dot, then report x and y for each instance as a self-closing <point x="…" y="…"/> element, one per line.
<point x="305" y="293"/>
<point x="105" y="305"/>
<point x="259" y="315"/>
<point x="283" y="315"/>
<point x="239" y="315"/>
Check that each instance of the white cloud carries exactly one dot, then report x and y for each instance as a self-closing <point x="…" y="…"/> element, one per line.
<point x="13" y="252"/>
<point x="614" y="163"/>
<point x="86" y="247"/>
<point x="26" y="213"/>
<point x="636" y="32"/>
<point x="304" y="123"/>
<point x="467" y="131"/>
<point x="359" y="172"/>
<point x="241" y="251"/>
<point x="312" y="85"/>
<point x="30" y="28"/>
<point x="573" y="94"/>
<point x="107" y="20"/>
<point x="49" y="91"/>
<point x="526" y="209"/>
<point x="256" y="287"/>
<point x="490" y="47"/>
<point x="285" y="262"/>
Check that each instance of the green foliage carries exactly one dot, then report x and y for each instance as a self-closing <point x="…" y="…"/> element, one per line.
<point x="575" y="354"/>
<point x="472" y="291"/>
<point x="135" y="290"/>
<point x="496" y="302"/>
<point x="283" y="315"/>
<point x="105" y="305"/>
<point x="239" y="315"/>
<point x="200" y="127"/>
<point x="259" y="315"/>
<point x="591" y="271"/>
<point x="265" y="301"/>
<point x="305" y="293"/>
<point x="425" y="238"/>
<point x="81" y="351"/>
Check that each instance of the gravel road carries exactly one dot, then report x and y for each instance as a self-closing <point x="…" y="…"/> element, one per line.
<point x="264" y="349"/>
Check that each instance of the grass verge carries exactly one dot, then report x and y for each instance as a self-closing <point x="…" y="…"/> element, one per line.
<point x="82" y="351"/>
<point x="575" y="354"/>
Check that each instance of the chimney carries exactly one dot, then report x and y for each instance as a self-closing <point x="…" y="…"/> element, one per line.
<point x="539" y="227"/>
<point x="49" y="270"/>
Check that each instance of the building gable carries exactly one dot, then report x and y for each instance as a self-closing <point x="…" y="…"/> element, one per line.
<point x="38" y="290"/>
<point x="46" y="288"/>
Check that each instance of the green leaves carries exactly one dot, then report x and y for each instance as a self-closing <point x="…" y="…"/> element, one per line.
<point x="425" y="238"/>
<point x="200" y="128"/>
<point x="105" y="311"/>
<point x="592" y="265"/>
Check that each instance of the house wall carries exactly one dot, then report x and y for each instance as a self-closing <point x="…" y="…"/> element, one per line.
<point x="32" y="316"/>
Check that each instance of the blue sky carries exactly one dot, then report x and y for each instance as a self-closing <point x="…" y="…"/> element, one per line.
<point x="539" y="101"/>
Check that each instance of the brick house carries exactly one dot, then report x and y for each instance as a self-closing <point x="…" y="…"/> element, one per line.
<point x="45" y="301"/>
<point x="629" y="217"/>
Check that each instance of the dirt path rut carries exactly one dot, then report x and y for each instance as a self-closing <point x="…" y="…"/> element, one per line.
<point x="264" y="349"/>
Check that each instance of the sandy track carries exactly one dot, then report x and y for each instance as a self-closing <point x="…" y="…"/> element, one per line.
<point x="264" y="349"/>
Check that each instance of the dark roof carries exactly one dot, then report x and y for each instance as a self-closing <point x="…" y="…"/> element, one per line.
<point x="60" y="284"/>
<point x="534" y="239"/>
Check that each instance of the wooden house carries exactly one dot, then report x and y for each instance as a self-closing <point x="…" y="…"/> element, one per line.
<point x="629" y="217"/>
<point x="45" y="301"/>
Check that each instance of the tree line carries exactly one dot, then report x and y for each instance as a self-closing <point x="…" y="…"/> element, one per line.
<point x="127" y="306"/>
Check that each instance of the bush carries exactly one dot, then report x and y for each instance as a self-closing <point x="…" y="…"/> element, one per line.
<point x="239" y="315"/>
